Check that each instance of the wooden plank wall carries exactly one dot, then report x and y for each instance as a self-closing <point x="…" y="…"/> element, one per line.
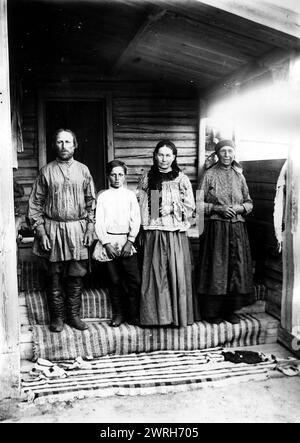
<point x="28" y="159"/>
<point x="139" y="124"/>
<point x="261" y="176"/>
<point x="141" y="117"/>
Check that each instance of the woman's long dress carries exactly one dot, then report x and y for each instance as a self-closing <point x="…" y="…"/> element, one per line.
<point x="167" y="287"/>
<point x="225" y="282"/>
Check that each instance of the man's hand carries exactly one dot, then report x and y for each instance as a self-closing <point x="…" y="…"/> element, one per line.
<point x="111" y="251"/>
<point x="126" y="250"/>
<point x="45" y="243"/>
<point x="88" y="238"/>
<point x="225" y="211"/>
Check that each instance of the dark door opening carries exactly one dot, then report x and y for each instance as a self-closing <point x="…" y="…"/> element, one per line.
<point x="87" y="120"/>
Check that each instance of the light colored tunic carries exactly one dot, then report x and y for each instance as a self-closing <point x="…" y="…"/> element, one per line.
<point x="62" y="205"/>
<point x="177" y="193"/>
<point x="117" y="220"/>
<point x="225" y="187"/>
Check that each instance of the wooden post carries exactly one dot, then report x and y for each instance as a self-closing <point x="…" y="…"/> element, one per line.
<point x="9" y="323"/>
<point x="291" y="268"/>
<point x="290" y="316"/>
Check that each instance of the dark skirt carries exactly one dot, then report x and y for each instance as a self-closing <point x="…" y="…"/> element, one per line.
<point x="167" y="290"/>
<point x="225" y="282"/>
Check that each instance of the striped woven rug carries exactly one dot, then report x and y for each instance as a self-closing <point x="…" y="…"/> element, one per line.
<point x="100" y="339"/>
<point x="142" y="374"/>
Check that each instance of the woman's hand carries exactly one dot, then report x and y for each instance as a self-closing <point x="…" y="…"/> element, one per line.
<point x="112" y="253"/>
<point x="126" y="250"/>
<point x="225" y="211"/>
<point x="45" y="243"/>
<point x="166" y="210"/>
<point x="239" y="209"/>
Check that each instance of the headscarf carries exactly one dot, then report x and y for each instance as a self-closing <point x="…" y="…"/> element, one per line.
<point x="223" y="143"/>
<point x="212" y="158"/>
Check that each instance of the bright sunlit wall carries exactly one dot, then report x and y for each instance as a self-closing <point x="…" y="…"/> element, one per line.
<point x="262" y="119"/>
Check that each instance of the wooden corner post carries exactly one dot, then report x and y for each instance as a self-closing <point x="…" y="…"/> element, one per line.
<point x="289" y="333"/>
<point x="9" y="321"/>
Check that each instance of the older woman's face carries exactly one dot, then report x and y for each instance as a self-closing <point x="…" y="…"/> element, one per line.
<point x="226" y="155"/>
<point x="164" y="157"/>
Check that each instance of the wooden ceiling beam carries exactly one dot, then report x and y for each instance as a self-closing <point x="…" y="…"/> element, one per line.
<point x="274" y="61"/>
<point x="182" y="35"/>
<point x="154" y="16"/>
<point x="191" y="63"/>
<point x="282" y="15"/>
<point x="163" y="59"/>
<point x="222" y="19"/>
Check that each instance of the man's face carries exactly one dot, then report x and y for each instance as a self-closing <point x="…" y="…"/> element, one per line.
<point x="64" y="145"/>
<point x="117" y="177"/>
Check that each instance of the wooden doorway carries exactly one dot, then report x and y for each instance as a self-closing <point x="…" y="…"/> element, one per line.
<point x="87" y="120"/>
<point x="88" y="113"/>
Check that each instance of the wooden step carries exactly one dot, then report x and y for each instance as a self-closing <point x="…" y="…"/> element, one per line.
<point x="270" y="334"/>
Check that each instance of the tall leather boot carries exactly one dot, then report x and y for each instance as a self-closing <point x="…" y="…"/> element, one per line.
<point x="117" y="314"/>
<point x="74" y="288"/>
<point x="56" y="303"/>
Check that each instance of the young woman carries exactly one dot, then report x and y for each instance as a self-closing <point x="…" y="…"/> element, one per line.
<point x="166" y="200"/>
<point x="117" y="225"/>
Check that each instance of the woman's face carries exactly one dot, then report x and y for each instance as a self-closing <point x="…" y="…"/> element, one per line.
<point x="164" y="158"/>
<point x="226" y="155"/>
<point x="117" y="177"/>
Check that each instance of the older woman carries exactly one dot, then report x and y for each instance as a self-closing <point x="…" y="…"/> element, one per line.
<point x="225" y="271"/>
<point x="166" y="200"/>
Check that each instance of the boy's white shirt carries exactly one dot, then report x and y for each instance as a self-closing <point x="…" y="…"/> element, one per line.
<point x="117" y="212"/>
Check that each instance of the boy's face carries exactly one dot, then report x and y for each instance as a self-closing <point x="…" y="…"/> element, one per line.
<point x="117" y="177"/>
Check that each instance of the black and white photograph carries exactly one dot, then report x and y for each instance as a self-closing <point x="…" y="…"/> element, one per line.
<point x="149" y="214"/>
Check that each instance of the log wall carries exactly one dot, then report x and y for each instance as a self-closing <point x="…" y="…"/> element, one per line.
<point x="141" y="117"/>
<point x="139" y="124"/>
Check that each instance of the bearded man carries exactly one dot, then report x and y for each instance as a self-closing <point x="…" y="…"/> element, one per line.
<point x="61" y="212"/>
